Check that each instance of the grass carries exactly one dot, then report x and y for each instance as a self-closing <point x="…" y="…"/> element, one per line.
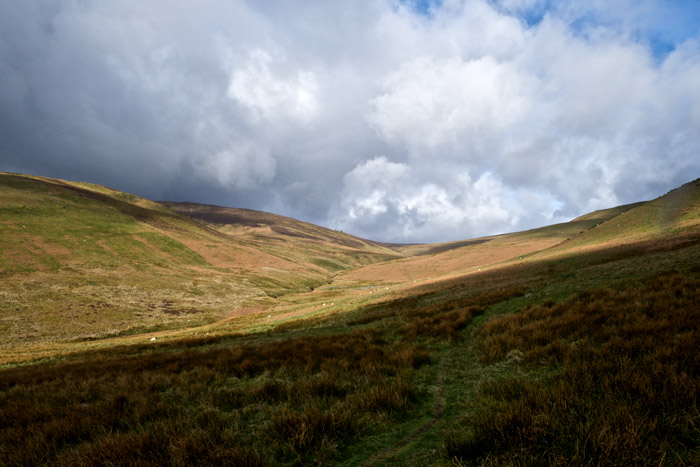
<point x="626" y="385"/>
<point x="290" y="400"/>
<point x="66" y="247"/>
<point x="317" y="392"/>
<point x="582" y="352"/>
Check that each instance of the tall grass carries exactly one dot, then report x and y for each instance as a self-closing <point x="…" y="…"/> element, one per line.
<point x="296" y="400"/>
<point x="441" y="313"/>
<point x="625" y="388"/>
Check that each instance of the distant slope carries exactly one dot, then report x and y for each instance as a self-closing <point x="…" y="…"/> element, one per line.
<point x="674" y="215"/>
<point x="669" y="218"/>
<point x="451" y="258"/>
<point x="78" y="260"/>
<point x="264" y="225"/>
<point x="319" y="246"/>
<point x="555" y="233"/>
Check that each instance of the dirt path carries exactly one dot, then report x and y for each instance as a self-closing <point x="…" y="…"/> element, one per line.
<point x="438" y="411"/>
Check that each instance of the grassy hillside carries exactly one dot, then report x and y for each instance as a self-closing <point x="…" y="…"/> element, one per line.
<point x="321" y="248"/>
<point x="84" y="262"/>
<point x="572" y="344"/>
<point x="429" y="262"/>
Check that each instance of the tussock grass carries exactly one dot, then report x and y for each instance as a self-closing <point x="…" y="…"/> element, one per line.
<point x="443" y="324"/>
<point x="441" y="313"/>
<point x="294" y="400"/>
<point x="626" y="387"/>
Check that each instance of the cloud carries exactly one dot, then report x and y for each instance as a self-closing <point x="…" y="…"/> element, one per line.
<point x="395" y="120"/>
<point x="241" y="167"/>
<point x="269" y="97"/>
<point x="391" y="198"/>
<point x="429" y="103"/>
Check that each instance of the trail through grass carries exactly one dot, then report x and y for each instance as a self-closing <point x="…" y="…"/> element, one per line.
<point x="584" y="352"/>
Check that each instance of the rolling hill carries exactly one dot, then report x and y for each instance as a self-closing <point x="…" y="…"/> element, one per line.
<point x="80" y="261"/>
<point x="142" y="333"/>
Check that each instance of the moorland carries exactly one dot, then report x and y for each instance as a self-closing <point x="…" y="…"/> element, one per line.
<point x="137" y="332"/>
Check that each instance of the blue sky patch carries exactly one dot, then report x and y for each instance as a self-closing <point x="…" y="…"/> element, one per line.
<point x="422" y="7"/>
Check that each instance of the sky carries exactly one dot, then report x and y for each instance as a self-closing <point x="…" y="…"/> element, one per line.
<point x="398" y="121"/>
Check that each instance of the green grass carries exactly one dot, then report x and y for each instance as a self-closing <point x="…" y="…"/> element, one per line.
<point x="81" y="244"/>
<point x="320" y="392"/>
<point x="584" y="353"/>
<point x="625" y="390"/>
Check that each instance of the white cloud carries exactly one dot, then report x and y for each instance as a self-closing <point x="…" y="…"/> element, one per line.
<point x="401" y="203"/>
<point x="271" y="97"/>
<point x="369" y="187"/>
<point x="428" y="103"/>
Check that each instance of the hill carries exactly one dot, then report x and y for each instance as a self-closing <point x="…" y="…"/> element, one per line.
<point x="571" y="344"/>
<point x="316" y="246"/>
<point x="81" y="261"/>
<point x="468" y="256"/>
<point x="265" y="226"/>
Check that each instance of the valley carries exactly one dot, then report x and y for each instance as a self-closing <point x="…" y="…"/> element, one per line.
<point x="193" y="334"/>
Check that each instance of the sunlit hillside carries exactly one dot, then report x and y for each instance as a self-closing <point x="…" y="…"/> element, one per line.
<point x="84" y="262"/>
<point x="143" y="333"/>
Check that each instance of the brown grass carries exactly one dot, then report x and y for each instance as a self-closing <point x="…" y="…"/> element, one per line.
<point x="296" y="400"/>
<point x="627" y="386"/>
<point x="441" y="313"/>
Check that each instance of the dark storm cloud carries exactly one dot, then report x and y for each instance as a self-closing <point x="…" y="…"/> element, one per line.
<point x="401" y="121"/>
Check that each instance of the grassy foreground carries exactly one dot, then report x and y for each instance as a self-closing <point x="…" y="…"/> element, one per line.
<point x="584" y="352"/>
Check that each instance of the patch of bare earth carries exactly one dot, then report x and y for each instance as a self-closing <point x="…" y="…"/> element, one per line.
<point x="103" y="244"/>
<point x="59" y="252"/>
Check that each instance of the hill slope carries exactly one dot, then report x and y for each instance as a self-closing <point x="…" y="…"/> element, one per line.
<point x="456" y="258"/>
<point x="581" y="350"/>
<point x="287" y="237"/>
<point x="79" y="260"/>
<point x="673" y="215"/>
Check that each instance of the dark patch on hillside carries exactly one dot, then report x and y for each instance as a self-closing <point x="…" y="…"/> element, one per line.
<point x="453" y="246"/>
<point x="220" y="215"/>
<point x="298" y="234"/>
<point x="282" y="225"/>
